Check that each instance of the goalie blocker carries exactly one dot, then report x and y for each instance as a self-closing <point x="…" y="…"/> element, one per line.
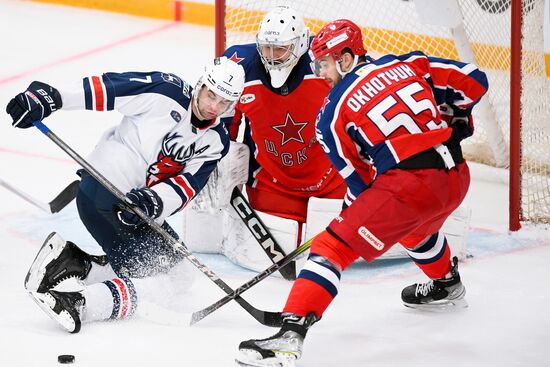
<point x="212" y="209"/>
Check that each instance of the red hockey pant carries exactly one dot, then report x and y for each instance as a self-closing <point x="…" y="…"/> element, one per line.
<point x="405" y="206"/>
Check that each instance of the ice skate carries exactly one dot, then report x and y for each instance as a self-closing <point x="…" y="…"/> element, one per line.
<point x="437" y="294"/>
<point x="56" y="261"/>
<point x="65" y="308"/>
<point x="280" y="350"/>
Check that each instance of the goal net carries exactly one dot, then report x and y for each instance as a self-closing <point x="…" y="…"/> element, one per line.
<point x="476" y="31"/>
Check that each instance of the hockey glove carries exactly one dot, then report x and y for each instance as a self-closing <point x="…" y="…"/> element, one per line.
<point x="36" y="103"/>
<point x="463" y="122"/>
<point x="145" y="199"/>
<point x="459" y="119"/>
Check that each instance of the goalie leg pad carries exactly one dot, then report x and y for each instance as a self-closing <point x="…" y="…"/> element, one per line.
<point x="203" y="230"/>
<point x="231" y="171"/>
<point x="320" y="211"/>
<point x="455" y="229"/>
<point x="241" y="247"/>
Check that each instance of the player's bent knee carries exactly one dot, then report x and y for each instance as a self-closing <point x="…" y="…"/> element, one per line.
<point x="328" y="246"/>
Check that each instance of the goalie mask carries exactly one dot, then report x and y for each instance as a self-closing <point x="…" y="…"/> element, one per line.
<point x="224" y="80"/>
<point x="281" y="40"/>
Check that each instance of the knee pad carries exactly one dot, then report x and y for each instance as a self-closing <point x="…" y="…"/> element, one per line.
<point x="335" y="251"/>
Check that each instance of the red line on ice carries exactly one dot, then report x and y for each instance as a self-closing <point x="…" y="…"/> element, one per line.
<point x="87" y="53"/>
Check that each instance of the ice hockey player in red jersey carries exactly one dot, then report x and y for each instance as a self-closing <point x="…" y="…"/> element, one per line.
<point x="287" y="166"/>
<point x="279" y="104"/>
<point x="161" y="154"/>
<point x="402" y="162"/>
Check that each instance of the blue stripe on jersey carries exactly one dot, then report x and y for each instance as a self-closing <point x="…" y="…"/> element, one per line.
<point x="358" y="138"/>
<point x="449" y="95"/>
<point x="198" y="179"/>
<point x="355" y="184"/>
<point x="383" y="157"/>
<point x="134" y="83"/>
<point x="180" y="192"/>
<point x="316" y="278"/>
<point x="253" y="165"/>
<point x="87" y="93"/>
<point x="325" y="119"/>
<point x="111" y="94"/>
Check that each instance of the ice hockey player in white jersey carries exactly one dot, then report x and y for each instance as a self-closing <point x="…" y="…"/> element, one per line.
<point x="161" y="154"/>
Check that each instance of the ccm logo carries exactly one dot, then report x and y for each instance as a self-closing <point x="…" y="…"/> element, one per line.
<point x="256" y="228"/>
<point x="370" y="238"/>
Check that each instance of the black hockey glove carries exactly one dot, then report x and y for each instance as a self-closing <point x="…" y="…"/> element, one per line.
<point x="36" y="103"/>
<point x="145" y="199"/>
<point x="462" y="122"/>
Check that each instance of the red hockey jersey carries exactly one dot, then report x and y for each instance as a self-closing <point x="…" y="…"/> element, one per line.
<point x="386" y="111"/>
<point x="280" y="128"/>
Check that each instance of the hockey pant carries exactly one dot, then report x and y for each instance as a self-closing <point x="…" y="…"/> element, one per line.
<point x="405" y="206"/>
<point x="135" y="252"/>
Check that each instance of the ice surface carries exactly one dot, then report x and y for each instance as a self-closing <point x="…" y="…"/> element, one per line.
<point x="507" y="277"/>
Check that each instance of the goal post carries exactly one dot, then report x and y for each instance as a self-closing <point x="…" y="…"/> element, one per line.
<point x="516" y="22"/>
<point x="505" y="38"/>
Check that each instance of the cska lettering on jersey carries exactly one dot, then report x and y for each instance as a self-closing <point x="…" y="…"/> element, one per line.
<point x="281" y="137"/>
<point x="379" y="97"/>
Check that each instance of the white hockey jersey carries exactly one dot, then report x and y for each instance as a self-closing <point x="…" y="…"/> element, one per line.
<point x="156" y="144"/>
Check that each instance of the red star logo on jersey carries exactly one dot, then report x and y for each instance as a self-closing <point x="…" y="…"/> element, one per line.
<point x="291" y="130"/>
<point x="236" y="58"/>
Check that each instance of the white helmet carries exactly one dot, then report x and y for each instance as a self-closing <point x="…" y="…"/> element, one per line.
<point x="224" y="77"/>
<point x="281" y="40"/>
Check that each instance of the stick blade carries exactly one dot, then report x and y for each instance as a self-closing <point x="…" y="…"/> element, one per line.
<point x="64" y="197"/>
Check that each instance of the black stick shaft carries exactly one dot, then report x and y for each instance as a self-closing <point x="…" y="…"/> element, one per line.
<point x="199" y="315"/>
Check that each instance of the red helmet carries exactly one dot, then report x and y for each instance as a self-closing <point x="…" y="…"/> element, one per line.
<point x="334" y="37"/>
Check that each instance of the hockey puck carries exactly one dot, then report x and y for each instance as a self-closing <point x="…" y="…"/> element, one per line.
<point x="65" y="358"/>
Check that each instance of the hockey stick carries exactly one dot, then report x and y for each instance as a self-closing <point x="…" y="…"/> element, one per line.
<point x="64" y="197"/>
<point x="54" y="206"/>
<point x="266" y="318"/>
<point x="201" y="314"/>
<point x="260" y="232"/>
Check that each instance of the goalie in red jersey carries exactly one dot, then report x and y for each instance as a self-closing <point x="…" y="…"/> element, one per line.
<point x="287" y="165"/>
<point x="403" y="165"/>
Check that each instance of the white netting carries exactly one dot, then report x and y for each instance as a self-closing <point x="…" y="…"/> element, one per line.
<point x="394" y="26"/>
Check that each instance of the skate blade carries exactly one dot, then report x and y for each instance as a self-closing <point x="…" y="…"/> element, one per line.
<point x="251" y="358"/>
<point x="64" y="319"/>
<point x="259" y="363"/>
<point x="440" y="306"/>
<point x="50" y="250"/>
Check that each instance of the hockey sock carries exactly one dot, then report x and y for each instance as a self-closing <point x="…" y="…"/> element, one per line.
<point x="99" y="303"/>
<point x="318" y="281"/>
<point x="99" y="273"/>
<point x="123" y="298"/>
<point x="433" y="256"/>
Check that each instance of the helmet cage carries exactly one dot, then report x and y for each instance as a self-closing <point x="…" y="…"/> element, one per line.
<point x="288" y="57"/>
